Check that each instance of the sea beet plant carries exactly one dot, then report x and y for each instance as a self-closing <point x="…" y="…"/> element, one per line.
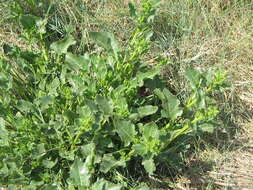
<point x="81" y="121"/>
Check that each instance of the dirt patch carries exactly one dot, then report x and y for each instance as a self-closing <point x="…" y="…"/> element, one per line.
<point x="216" y="170"/>
<point x="237" y="172"/>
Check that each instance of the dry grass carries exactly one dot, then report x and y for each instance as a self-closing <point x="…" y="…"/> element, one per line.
<point x="227" y="169"/>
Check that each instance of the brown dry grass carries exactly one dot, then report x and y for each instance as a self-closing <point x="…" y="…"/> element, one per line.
<point x="231" y="169"/>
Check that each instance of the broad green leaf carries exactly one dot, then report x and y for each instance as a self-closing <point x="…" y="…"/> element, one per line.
<point x="121" y="104"/>
<point x="69" y="155"/>
<point x="28" y="21"/>
<point x="40" y="148"/>
<point x="99" y="67"/>
<point x="99" y="185"/>
<point x="150" y="131"/>
<point x="112" y="186"/>
<point x="193" y="76"/>
<point x="92" y="105"/>
<point x="55" y="83"/>
<point x="4" y="140"/>
<point x="140" y="149"/>
<point x="126" y="130"/>
<point x="160" y="94"/>
<point x="138" y="81"/>
<point x="45" y="101"/>
<point x="156" y="82"/>
<point x="170" y="105"/>
<point x="109" y="162"/>
<point x="63" y="74"/>
<point x="77" y="62"/>
<point x="81" y="172"/>
<point x="33" y="185"/>
<point x="149" y="165"/>
<point x="134" y="116"/>
<point x="149" y="73"/>
<point x="25" y="106"/>
<point x="201" y="100"/>
<point x="49" y="164"/>
<point x="61" y="46"/>
<point x="84" y="112"/>
<point x="102" y="184"/>
<point x="52" y="187"/>
<point x="39" y="151"/>
<point x="176" y="133"/>
<point x="5" y="82"/>
<point x="87" y="149"/>
<point x="104" y="104"/>
<point x="52" y="87"/>
<point x="147" y="110"/>
<point x="106" y="40"/>
<point x="77" y="83"/>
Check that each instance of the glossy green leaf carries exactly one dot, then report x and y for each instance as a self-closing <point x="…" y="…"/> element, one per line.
<point x="193" y="76"/>
<point x="121" y="104"/>
<point x="106" y="40"/>
<point x="4" y="140"/>
<point x="52" y="187"/>
<point x="170" y="104"/>
<point x="68" y="155"/>
<point x="140" y="149"/>
<point x="150" y="131"/>
<point x="147" y="110"/>
<point x="104" y="104"/>
<point x="77" y="83"/>
<point x="80" y="172"/>
<point x="160" y="94"/>
<point x="108" y="162"/>
<point x="77" y="62"/>
<point x="87" y="149"/>
<point x="49" y="164"/>
<point x="39" y="151"/>
<point x="5" y="82"/>
<point x="61" y="46"/>
<point x="179" y="132"/>
<point x="45" y="101"/>
<point x="138" y="81"/>
<point x="134" y="116"/>
<point x="125" y="129"/>
<point x="25" y="106"/>
<point x="149" y="165"/>
<point x="102" y="184"/>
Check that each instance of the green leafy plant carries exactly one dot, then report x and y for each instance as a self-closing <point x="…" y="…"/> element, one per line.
<point x="78" y="121"/>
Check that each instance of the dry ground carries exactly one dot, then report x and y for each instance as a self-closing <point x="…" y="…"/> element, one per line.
<point x="214" y="169"/>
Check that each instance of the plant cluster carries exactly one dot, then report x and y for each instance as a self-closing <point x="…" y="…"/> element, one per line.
<point x="83" y="121"/>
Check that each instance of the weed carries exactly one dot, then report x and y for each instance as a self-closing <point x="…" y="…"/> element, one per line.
<point x="72" y="121"/>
